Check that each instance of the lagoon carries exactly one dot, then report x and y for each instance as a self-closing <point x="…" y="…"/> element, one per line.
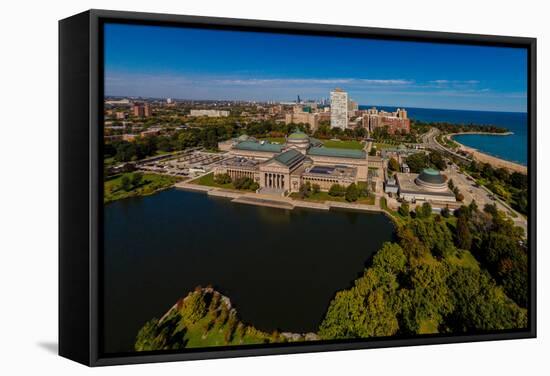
<point x="279" y="267"/>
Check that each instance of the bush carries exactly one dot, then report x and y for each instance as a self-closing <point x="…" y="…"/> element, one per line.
<point x="137" y="178"/>
<point x="424" y="211"/>
<point x="404" y="209"/>
<point x="305" y="190"/>
<point x="337" y="190"/>
<point x="393" y="165"/>
<point x="352" y="193"/>
<point x="316" y="188"/>
<point x="222" y="179"/>
<point x="245" y="184"/>
<point x="125" y="183"/>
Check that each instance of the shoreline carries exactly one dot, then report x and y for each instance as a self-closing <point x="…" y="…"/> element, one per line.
<point x="251" y="198"/>
<point x="484" y="157"/>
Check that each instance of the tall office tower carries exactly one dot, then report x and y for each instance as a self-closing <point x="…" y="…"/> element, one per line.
<point x="402" y="113"/>
<point x="147" y="111"/>
<point x="338" y="109"/>
<point x="138" y="110"/>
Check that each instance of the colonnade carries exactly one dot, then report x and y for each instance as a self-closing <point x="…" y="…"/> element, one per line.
<point x="273" y="180"/>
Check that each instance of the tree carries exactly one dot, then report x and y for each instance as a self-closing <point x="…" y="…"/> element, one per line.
<point x="222" y="178"/>
<point x="245" y="183"/>
<point x="417" y="162"/>
<point x="463" y="234"/>
<point x="424" y="211"/>
<point x="125" y="183"/>
<point x="459" y="197"/>
<point x="445" y="212"/>
<point x="404" y="209"/>
<point x="365" y="310"/>
<point x="390" y="258"/>
<point x="437" y="160"/>
<point x="305" y="190"/>
<point x="479" y="305"/>
<point x="451" y="184"/>
<point x="137" y="178"/>
<point x="352" y="193"/>
<point x="316" y="188"/>
<point x="337" y="190"/>
<point x="393" y="165"/>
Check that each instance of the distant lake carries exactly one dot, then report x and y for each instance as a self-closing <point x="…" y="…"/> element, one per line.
<point x="280" y="268"/>
<point x="511" y="148"/>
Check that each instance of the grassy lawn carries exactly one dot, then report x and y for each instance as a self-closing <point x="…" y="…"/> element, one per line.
<point x="324" y="196"/>
<point x="150" y="183"/>
<point x="208" y="180"/>
<point x="381" y="146"/>
<point x="198" y="336"/>
<point x="464" y="259"/>
<point x="352" y="144"/>
<point x="278" y="140"/>
<point x="109" y="161"/>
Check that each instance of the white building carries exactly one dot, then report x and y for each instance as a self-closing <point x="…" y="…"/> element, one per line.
<point x="210" y="113"/>
<point x="338" y="109"/>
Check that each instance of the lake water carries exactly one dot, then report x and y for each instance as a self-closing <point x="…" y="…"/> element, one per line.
<point x="511" y="148"/>
<point x="280" y="268"/>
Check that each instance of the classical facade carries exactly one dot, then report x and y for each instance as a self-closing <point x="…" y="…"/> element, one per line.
<point x="282" y="168"/>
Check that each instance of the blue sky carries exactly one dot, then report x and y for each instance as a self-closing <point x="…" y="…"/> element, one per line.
<point x="186" y="63"/>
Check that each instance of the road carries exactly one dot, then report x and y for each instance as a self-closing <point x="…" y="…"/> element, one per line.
<point x="466" y="184"/>
<point x="430" y="142"/>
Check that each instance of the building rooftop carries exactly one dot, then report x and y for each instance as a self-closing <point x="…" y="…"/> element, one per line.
<point x="335" y="171"/>
<point x="258" y="146"/>
<point x="337" y="153"/>
<point x="432" y="176"/>
<point x="315" y="142"/>
<point x="298" y="135"/>
<point x="240" y="162"/>
<point x="290" y="157"/>
<point x="407" y="184"/>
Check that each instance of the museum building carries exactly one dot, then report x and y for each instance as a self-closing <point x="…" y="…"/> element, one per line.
<point x="282" y="168"/>
<point x="429" y="185"/>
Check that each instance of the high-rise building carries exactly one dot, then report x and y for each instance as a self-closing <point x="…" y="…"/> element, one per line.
<point x="142" y="110"/>
<point x="169" y="100"/>
<point x="396" y="121"/>
<point x="338" y="109"/>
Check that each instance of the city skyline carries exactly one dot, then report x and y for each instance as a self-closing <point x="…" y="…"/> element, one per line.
<point x="186" y="63"/>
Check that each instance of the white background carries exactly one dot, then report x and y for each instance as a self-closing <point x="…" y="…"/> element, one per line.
<point x="28" y="185"/>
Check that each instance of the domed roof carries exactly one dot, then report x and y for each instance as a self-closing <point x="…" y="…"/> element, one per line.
<point x="298" y="135"/>
<point x="431" y="176"/>
<point x="243" y="137"/>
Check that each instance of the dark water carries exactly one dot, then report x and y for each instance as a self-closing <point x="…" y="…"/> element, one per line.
<point x="512" y="148"/>
<point x="280" y="268"/>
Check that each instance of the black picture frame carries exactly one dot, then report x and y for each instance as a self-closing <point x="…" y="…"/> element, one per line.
<point x="80" y="179"/>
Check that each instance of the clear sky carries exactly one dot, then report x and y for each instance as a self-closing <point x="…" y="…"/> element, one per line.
<point x="185" y="63"/>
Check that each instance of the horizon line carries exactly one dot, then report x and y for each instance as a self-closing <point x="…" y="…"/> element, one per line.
<point x="291" y="101"/>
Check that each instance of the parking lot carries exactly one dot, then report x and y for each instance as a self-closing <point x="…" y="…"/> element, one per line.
<point x="191" y="164"/>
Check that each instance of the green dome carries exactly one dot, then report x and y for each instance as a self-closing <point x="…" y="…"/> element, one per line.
<point x="431" y="176"/>
<point x="299" y="135"/>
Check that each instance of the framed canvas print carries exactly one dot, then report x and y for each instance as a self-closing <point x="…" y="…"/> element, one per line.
<point x="237" y="187"/>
